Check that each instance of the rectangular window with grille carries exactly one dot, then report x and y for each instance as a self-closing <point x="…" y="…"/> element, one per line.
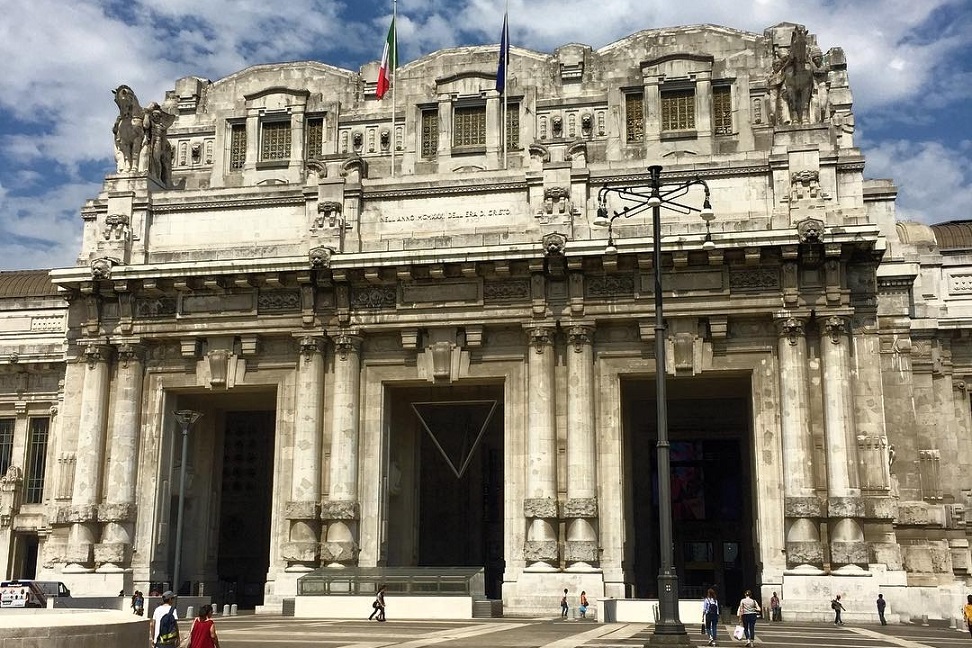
<point x="678" y="110"/>
<point x="275" y="141"/>
<point x="430" y="132"/>
<point x="634" y="116"/>
<point x="469" y="126"/>
<point x="237" y="146"/>
<point x="38" y="430"/>
<point x="315" y="138"/>
<point x="722" y="110"/>
<point x="513" y="126"/>
<point x="6" y="443"/>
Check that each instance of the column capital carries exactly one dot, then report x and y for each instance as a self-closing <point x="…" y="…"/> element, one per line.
<point x="579" y="335"/>
<point x="836" y="327"/>
<point x="791" y="328"/>
<point x="347" y="342"/>
<point x="541" y="335"/>
<point x="130" y="352"/>
<point x="310" y="345"/>
<point x="95" y="351"/>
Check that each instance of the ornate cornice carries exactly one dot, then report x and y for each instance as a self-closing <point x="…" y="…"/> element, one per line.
<point x="419" y="192"/>
<point x="272" y="201"/>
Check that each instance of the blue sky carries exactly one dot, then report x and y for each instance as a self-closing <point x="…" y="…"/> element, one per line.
<point x="910" y="65"/>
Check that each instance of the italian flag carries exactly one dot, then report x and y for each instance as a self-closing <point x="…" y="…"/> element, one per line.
<point x="389" y="61"/>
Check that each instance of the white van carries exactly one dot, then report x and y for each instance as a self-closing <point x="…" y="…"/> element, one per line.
<point x="21" y="594"/>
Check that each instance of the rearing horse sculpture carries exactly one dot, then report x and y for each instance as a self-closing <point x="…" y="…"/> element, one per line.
<point x="798" y="77"/>
<point x="129" y="130"/>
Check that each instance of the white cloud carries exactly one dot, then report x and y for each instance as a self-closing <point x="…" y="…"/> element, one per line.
<point x="934" y="181"/>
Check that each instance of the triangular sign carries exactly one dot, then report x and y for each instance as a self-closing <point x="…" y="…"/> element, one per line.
<point x="456" y="428"/>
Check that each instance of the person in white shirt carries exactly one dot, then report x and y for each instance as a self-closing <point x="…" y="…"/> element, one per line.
<point x="168" y="603"/>
<point x="747" y="612"/>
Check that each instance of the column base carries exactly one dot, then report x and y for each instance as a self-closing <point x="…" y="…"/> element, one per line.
<point x="808" y="553"/>
<point x="345" y="553"/>
<point x="581" y="551"/>
<point x="848" y="553"/>
<point x="540" y="551"/>
<point x="300" y="551"/>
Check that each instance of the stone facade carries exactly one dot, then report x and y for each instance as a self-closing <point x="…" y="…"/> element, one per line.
<point x="307" y="255"/>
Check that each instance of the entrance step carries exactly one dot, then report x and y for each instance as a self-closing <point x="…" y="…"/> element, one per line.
<point x="487" y="609"/>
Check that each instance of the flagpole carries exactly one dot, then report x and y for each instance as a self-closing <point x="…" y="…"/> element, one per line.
<point x="506" y="91"/>
<point x="394" y="81"/>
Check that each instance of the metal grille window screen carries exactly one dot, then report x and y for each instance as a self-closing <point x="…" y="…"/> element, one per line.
<point x="722" y="110"/>
<point x="276" y="141"/>
<point x="37" y="433"/>
<point x="469" y="126"/>
<point x="6" y="443"/>
<point x="634" y="117"/>
<point x="513" y="126"/>
<point x="237" y="146"/>
<point x="678" y="110"/>
<point x="315" y="138"/>
<point x="430" y="133"/>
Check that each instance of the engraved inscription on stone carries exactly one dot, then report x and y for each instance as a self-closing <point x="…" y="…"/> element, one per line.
<point x="442" y="292"/>
<point x="277" y="301"/>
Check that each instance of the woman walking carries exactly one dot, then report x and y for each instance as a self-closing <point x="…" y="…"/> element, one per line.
<point x="202" y="634"/>
<point x="710" y="615"/>
<point x="747" y="613"/>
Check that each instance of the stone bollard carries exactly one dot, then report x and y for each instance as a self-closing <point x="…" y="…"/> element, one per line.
<point x="190" y="612"/>
<point x="233" y="610"/>
<point x="226" y="609"/>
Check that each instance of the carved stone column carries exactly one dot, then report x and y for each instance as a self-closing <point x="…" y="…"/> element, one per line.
<point x="303" y="510"/>
<point x="540" y="503"/>
<point x="118" y="511"/>
<point x="801" y="506"/>
<point x="580" y="511"/>
<point x="83" y="513"/>
<point x="845" y="504"/>
<point x="341" y="511"/>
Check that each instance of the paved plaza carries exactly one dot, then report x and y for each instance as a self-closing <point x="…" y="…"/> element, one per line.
<point x="246" y="631"/>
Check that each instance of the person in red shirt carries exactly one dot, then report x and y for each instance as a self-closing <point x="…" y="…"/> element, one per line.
<point x="202" y="634"/>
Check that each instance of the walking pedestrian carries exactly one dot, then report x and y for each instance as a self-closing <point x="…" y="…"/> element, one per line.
<point x="747" y="613"/>
<point x="564" y="606"/>
<point x="378" y="605"/>
<point x="837" y="607"/>
<point x="138" y="603"/>
<point x="710" y="615"/>
<point x="776" y="613"/>
<point x="582" y="608"/>
<point x="202" y="634"/>
<point x="881" y="604"/>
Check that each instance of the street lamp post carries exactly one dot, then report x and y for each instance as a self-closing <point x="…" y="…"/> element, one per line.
<point x="668" y="629"/>
<point x="186" y="418"/>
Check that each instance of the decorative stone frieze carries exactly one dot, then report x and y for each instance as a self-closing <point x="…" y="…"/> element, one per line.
<point x="304" y="511"/>
<point x="804" y="553"/>
<point x="300" y="552"/>
<point x="804" y="507"/>
<point x="118" y="512"/>
<point x="338" y="510"/>
<point x="80" y="553"/>
<point x="114" y="553"/>
<point x="77" y="514"/>
<point x="580" y="507"/>
<point x="339" y="552"/>
<point x="540" y="507"/>
<point x="880" y="508"/>
<point x="912" y="514"/>
<point x="848" y="553"/>
<point x="540" y="551"/>
<point x="581" y="551"/>
<point x="845" y="507"/>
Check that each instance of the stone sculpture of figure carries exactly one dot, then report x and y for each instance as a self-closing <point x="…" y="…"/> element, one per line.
<point x="821" y="72"/>
<point x="798" y="78"/>
<point x="156" y="124"/>
<point x="129" y="130"/>
<point x="779" y="111"/>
